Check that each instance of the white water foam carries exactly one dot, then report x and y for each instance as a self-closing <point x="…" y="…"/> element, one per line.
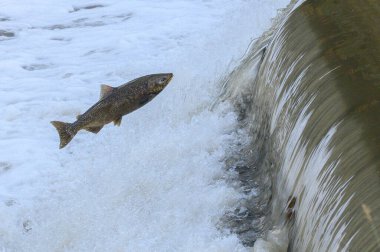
<point x="154" y="184"/>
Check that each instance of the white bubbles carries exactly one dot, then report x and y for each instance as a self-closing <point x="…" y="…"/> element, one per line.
<point x="154" y="183"/>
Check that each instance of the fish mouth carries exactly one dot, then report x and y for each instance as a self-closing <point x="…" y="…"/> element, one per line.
<point x="170" y="77"/>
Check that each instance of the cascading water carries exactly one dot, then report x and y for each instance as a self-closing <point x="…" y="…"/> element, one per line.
<point x="309" y="95"/>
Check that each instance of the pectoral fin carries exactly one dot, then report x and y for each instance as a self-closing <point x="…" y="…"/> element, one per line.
<point x="117" y="122"/>
<point x="105" y="90"/>
<point x="94" y="130"/>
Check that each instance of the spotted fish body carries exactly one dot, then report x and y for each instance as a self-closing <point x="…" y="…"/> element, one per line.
<point x="114" y="103"/>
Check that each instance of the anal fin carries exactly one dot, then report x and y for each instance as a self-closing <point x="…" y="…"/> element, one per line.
<point x="94" y="130"/>
<point x="117" y="122"/>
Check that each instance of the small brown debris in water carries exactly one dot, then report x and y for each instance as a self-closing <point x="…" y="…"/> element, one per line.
<point x="289" y="212"/>
<point x="367" y="212"/>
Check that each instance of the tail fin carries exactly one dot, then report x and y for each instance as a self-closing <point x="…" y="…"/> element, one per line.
<point x="65" y="132"/>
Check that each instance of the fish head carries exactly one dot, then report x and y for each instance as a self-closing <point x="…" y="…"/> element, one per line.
<point x="157" y="82"/>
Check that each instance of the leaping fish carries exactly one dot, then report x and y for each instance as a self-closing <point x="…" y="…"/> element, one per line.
<point x="114" y="103"/>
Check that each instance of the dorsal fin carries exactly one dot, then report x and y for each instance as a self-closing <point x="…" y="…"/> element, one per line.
<point x="105" y="90"/>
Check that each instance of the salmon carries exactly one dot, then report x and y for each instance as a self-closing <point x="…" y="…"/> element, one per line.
<point x="114" y="103"/>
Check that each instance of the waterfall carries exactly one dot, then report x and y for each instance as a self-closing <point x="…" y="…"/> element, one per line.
<point x="308" y="93"/>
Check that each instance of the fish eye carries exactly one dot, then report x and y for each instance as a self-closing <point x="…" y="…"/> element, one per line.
<point x="162" y="80"/>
